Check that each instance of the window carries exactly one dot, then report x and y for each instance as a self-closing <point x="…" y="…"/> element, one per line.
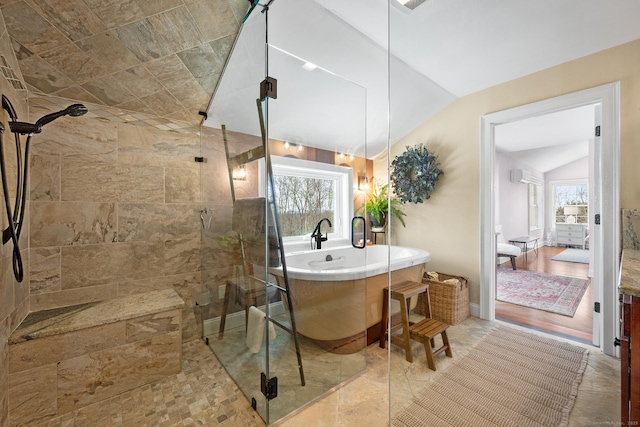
<point x="308" y="191"/>
<point x="535" y="206"/>
<point x="571" y="202"/>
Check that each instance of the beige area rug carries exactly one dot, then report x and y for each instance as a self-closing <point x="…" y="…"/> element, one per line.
<point x="510" y="378"/>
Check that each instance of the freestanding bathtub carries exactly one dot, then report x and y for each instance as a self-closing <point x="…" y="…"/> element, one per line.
<point x="337" y="293"/>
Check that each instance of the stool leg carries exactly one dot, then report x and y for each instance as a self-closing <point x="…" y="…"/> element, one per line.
<point x="225" y="305"/>
<point x="445" y="341"/>
<point x="427" y="303"/>
<point x="427" y="349"/>
<point x="385" y="318"/>
<point x="405" y="330"/>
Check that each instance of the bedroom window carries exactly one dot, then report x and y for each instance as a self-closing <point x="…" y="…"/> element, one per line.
<point x="308" y="191"/>
<point x="571" y="202"/>
<point x="535" y="206"/>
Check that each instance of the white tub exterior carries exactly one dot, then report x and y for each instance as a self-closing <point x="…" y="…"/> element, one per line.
<point x="338" y="302"/>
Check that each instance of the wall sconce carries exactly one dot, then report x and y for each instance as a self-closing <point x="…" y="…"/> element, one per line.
<point x="343" y="156"/>
<point x="291" y="146"/>
<point x="363" y="183"/>
<point x="570" y="211"/>
<point x="239" y="173"/>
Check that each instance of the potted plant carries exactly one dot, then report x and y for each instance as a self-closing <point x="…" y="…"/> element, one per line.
<point x="378" y="206"/>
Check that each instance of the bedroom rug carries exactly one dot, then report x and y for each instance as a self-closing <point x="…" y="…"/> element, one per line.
<point x="573" y="255"/>
<point x="542" y="291"/>
<point x="510" y="378"/>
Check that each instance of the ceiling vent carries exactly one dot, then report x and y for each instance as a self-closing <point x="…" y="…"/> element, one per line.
<point x="411" y="4"/>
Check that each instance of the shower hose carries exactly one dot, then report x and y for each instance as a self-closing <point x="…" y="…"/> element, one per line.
<point x="15" y="216"/>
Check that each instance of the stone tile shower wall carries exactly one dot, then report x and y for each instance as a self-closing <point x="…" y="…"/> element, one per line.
<point x="14" y="296"/>
<point x="114" y="211"/>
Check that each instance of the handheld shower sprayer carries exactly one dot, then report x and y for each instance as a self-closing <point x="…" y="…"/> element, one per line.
<point x="15" y="216"/>
<point x="73" y="110"/>
<point x="23" y="128"/>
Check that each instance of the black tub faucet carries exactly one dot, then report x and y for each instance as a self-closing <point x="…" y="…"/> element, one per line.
<point x="317" y="234"/>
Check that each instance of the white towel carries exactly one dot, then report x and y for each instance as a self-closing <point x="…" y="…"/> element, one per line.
<point x="255" y="329"/>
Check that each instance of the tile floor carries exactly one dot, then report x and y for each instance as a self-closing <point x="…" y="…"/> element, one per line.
<point x="364" y="400"/>
<point x="323" y="370"/>
<point x="204" y="395"/>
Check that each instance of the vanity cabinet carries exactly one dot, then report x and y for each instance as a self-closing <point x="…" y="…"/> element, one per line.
<point x="571" y="234"/>
<point x="630" y="338"/>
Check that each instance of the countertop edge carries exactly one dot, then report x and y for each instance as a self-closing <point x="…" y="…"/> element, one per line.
<point x="630" y="273"/>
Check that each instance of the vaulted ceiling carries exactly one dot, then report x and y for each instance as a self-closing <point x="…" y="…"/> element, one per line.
<point x="162" y="58"/>
<point x="440" y="51"/>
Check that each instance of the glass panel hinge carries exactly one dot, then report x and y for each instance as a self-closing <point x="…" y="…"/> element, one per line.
<point x="269" y="387"/>
<point x="269" y="88"/>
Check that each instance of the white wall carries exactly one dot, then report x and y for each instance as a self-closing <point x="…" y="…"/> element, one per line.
<point x="448" y="224"/>
<point x="578" y="169"/>
<point x="512" y="201"/>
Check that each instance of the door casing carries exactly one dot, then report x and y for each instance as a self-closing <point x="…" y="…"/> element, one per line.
<point x="608" y="97"/>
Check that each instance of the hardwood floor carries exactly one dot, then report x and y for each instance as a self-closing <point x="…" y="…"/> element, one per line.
<point x="579" y="327"/>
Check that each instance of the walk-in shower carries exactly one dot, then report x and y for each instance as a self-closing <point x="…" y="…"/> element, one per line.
<point x="285" y="370"/>
<point x="15" y="215"/>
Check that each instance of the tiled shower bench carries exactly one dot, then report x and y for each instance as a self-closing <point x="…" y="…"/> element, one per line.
<point x="64" y="359"/>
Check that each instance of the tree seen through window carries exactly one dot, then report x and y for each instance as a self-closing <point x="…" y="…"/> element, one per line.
<point x="572" y="195"/>
<point x="302" y="202"/>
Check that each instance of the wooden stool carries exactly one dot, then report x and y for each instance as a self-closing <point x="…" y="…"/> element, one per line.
<point x="402" y="292"/>
<point x="425" y="331"/>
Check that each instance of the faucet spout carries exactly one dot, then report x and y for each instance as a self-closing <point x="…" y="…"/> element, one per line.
<point x="317" y="234"/>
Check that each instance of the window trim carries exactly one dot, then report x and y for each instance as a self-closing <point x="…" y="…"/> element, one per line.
<point x="540" y="207"/>
<point x="311" y="169"/>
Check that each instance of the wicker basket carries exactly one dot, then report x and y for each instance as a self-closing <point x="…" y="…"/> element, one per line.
<point x="449" y="301"/>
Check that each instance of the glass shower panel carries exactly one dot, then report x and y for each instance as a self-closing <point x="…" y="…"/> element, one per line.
<point x="232" y="215"/>
<point x="328" y="306"/>
<point x="414" y="34"/>
<point x="312" y="328"/>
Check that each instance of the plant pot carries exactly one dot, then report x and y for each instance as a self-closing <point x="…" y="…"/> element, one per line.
<point x="375" y="224"/>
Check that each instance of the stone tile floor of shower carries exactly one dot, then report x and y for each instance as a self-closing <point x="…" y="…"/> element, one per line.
<point x="204" y="394"/>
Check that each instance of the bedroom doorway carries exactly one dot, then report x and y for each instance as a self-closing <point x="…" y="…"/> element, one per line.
<point x="543" y="185"/>
<point x="602" y="237"/>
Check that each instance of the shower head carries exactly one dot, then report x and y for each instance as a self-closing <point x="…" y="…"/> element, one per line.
<point x="74" y="110"/>
<point x="24" y="128"/>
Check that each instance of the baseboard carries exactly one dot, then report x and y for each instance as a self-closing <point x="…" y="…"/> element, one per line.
<point x="236" y="320"/>
<point x="474" y="309"/>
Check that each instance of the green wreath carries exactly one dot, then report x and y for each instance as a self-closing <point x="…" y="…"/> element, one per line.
<point x="414" y="174"/>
